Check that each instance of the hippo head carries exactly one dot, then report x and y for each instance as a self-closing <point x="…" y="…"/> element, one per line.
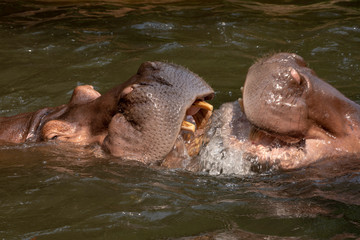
<point x="285" y="100"/>
<point x="139" y="120"/>
<point x="152" y="110"/>
<point x="284" y="97"/>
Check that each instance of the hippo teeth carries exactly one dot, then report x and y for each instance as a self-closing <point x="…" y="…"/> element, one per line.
<point x="241" y="103"/>
<point x="203" y="105"/>
<point x="200" y="117"/>
<point x="188" y="126"/>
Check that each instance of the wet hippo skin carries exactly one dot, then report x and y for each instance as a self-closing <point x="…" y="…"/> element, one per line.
<point x="140" y="119"/>
<point x="288" y="118"/>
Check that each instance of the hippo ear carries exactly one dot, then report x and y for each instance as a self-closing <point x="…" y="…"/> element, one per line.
<point x="84" y="94"/>
<point x="128" y="90"/>
<point x="57" y="130"/>
<point x="298" y="78"/>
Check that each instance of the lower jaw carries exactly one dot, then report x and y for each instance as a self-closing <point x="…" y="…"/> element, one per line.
<point x="187" y="146"/>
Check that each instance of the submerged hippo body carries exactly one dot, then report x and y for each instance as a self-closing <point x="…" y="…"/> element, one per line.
<point x="138" y="120"/>
<point x="288" y="118"/>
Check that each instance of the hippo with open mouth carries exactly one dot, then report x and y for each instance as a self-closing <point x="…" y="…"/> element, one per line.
<point x="288" y="118"/>
<point x="142" y="119"/>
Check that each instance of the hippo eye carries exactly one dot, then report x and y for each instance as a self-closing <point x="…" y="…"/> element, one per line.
<point x="54" y="137"/>
<point x="162" y="81"/>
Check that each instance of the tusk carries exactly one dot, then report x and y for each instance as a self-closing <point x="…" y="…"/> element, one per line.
<point x="241" y="103"/>
<point x="203" y="105"/>
<point x="188" y="126"/>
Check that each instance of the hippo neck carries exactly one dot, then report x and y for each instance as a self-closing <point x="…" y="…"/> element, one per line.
<point x="337" y="114"/>
<point x="351" y="117"/>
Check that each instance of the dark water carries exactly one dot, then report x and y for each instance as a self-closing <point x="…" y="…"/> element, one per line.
<point x="47" y="48"/>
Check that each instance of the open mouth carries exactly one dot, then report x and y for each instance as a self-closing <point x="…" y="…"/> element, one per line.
<point x="197" y="116"/>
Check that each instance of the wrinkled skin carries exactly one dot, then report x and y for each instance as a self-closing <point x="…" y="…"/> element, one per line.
<point x="140" y="119"/>
<point x="288" y="118"/>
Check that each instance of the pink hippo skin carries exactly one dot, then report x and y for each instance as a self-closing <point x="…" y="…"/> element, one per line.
<point x="288" y="118"/>
<point x="140" y="119"/>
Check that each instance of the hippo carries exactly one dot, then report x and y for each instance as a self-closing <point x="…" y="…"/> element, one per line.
<point x="143" y="119"/>
<point x="288" y="118"/>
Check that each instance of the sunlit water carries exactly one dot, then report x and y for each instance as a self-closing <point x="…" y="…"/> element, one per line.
<point x="48" y="48"/>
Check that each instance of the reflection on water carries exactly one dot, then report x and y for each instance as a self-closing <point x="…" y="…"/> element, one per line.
<point x="49" y="47"/>
<point x="62" y="198"/>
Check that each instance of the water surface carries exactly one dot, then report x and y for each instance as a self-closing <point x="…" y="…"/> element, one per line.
<point x="49" y="47"/>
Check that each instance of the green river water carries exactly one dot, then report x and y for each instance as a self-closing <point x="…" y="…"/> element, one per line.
<point x="49" y="47"/>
